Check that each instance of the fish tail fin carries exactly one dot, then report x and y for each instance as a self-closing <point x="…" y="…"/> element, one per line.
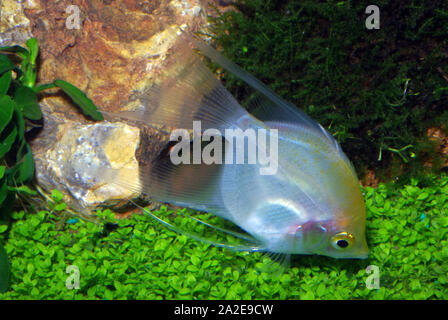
<point x="188" y="91"/>
<point x="195" y="186"/>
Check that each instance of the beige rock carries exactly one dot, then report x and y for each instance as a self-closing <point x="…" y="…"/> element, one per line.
<point x="113" y="51"/>
<point x="75" y="160"/>
<point x="14" y="25"/>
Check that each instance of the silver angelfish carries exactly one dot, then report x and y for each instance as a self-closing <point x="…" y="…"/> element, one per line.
<point x="311" y="205"/>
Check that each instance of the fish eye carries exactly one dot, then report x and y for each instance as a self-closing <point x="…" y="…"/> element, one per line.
<point x="342" y="240"/>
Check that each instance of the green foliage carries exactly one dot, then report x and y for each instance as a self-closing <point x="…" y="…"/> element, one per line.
<point x="4" y="267"/>
<point x="372" y="89"/>
<point x="18" y="108"/>
<point x="137" y="258"/>
<point x="377" y="91"/>
<point x="80" y="99"/>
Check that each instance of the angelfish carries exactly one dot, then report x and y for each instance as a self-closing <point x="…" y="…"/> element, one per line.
<point x="311" y="205"/>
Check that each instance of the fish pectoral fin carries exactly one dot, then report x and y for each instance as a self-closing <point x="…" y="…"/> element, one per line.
<point x="276" y="263"/>
<point x="239" y="235"/>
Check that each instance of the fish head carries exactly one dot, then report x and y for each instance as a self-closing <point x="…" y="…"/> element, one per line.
<point x="335" y="221"/>
<point x="323" y="192"/>
<point x="333" y="238"/>
<point x="346" y="231"/>
<point x="295" y="226"/>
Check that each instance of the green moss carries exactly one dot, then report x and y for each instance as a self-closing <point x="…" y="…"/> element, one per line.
<point x="377" y="91"/>
<point x="138" y="258"/>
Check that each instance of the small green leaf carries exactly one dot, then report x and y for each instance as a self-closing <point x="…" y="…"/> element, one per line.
<point x="28" y="78"/>
<point x="4" y="270"/>
<point x="5" y="82"/>
<point x="6" y="111"/>
<point x="26" y="166"/>
<point x="33" y="45"/>
<point x="26" y="100"/>
<point x="5" y="64"/>
<point x="20" y="122"/>
<point x="42" y="87"/>
<point x="6" y="143"/>
<point x="3" y="191"/>
<point x="23" y="189"/>
<point x="60" y="206"/>
<point x="18" y="215"/>
<point x="56" y="195"/>
<point x="3" y="228"/>
<point x="86" y="105"/>
<point x="21" y="51"/>
<point x="2" y="171"/>
<point x="422" y="196"/>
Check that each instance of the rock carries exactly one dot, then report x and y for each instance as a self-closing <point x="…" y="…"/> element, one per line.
<point x="118" y="50"/>
<point x="440" y="140"/>
<point x="15" y="27"/>
<point x="113" y="51"/>
<point x="370" y="179"/>
<point x="79" y="152"/>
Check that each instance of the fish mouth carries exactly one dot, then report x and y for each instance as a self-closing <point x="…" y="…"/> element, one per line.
<point x="362" y="256"/>
<point x="364" y="250"/>
<point x="356" y="253"/>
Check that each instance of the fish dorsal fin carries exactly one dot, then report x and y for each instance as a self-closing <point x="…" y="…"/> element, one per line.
<point x="269" y="106"/>
<point x="186" y="91"/>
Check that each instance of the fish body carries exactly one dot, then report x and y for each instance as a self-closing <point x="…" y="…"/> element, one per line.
<point x="311" y="204"/>
<point x="314" y="196"/>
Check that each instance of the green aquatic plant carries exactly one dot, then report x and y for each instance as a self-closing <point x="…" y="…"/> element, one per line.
<point x="278" y="41"/>
<point x="137" y="258"/>
<point x="377" y="91"/>
<point x="19" y="113"/>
